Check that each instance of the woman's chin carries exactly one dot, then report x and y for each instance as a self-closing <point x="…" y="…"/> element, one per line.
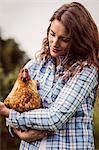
<point x="54" y="54"/>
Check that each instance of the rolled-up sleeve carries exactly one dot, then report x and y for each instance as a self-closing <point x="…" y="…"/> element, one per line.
<point x="74" y="92"/>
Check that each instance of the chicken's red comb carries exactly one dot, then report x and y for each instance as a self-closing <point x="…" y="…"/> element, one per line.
<point x="24" y="69"/>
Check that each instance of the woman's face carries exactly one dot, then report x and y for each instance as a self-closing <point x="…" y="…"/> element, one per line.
<point x="58" y="39"/>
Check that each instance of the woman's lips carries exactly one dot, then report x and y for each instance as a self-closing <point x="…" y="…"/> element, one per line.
<point x="55" y="50"/>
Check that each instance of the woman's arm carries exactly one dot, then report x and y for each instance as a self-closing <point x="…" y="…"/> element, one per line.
<point x="66" y="104"/>
<point x="30" y="135"/>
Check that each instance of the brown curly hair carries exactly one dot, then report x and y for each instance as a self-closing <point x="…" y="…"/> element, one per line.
<point x="84" y="37"/>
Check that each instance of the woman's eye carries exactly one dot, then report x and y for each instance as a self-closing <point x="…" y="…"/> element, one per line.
<point x="52" y="34"/>
<point x="65" y="39"/>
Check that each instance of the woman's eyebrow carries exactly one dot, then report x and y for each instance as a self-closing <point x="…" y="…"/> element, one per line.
<point x="63" y="36"/>
<point x="52" y="31"/>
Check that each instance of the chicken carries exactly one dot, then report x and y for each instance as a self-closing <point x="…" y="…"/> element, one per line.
<point x="24" y="94"/>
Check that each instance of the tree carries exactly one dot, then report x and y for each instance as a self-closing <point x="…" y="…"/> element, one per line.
<point x="12" y="58"/>
<point x="11" y="55"/>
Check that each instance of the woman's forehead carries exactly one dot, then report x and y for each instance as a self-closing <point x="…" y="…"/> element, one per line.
<point x="57" y="26"/>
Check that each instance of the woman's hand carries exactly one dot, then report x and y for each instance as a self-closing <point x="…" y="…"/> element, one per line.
<point x="30" y="135"/>
<point x="4" y="111"/>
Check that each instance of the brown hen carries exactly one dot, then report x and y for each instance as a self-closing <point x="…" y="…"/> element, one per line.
<point x="24" y="95"/>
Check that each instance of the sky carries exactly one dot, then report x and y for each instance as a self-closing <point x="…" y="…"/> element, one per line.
<point x="27" y="20"/>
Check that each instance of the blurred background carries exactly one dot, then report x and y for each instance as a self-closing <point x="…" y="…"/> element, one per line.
<point x="23" y="25"/>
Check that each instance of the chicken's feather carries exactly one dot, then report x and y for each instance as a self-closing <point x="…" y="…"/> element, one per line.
<point x="24" y="95"/>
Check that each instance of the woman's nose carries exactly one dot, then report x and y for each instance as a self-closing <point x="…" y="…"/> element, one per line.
<point x="56" y="41"/>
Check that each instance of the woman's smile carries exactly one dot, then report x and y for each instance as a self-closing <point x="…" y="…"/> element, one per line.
<point x="55" y="50"/>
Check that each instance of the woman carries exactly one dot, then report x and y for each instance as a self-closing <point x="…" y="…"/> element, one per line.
<point x="67" y="72"/>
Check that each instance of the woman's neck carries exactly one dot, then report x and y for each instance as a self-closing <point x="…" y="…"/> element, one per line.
<point x="57" y="61"/>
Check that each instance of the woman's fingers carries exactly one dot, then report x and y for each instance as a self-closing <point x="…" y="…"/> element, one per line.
<point x="4" y="111"/>
<point x="17" y="132"/>
<point x="1" y="105"/>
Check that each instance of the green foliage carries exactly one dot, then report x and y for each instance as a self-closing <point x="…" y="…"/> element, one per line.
<point x="96" y="123"/>
<point x="8" y="82"/>
<point x="1" y="82"/>
<point x="12" y="58"/>
<point x="11" y="55"/>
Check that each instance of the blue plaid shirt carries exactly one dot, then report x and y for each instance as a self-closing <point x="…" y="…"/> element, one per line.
<point x="67" y="107"/>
